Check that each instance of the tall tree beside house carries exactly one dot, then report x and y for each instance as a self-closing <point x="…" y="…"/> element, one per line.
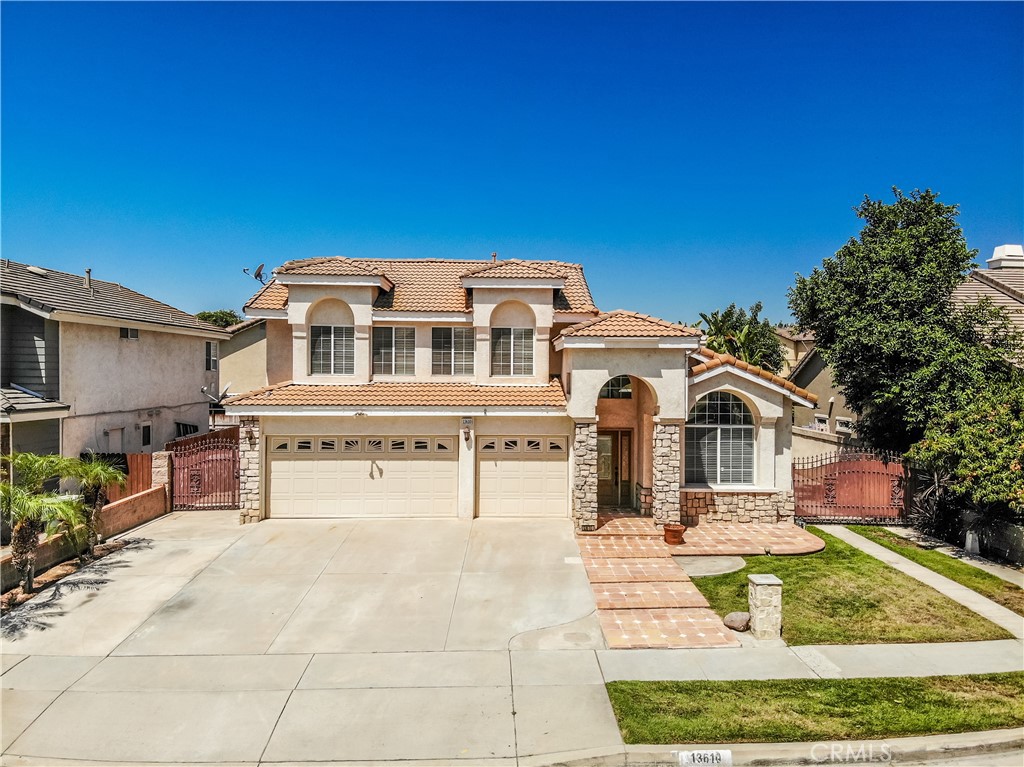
<point x="94" y="475"/>
<point x="32" y="510"/>
<point x="743" y="335"/>
<point x="222" y="318"/>
<point x="900" y="351"/>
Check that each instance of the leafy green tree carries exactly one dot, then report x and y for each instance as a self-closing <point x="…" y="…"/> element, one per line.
<point x="901" y="352"/>
<point x="222" y="318"/>
<point x="94" y="475"/>
<point x="980" y="447"/>
<point x="744" y="336"/>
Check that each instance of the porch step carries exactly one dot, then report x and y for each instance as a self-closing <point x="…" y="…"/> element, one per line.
<point x="622" y="570"/>
<point x="647" y="595"/>
<point x="665" y="628"/>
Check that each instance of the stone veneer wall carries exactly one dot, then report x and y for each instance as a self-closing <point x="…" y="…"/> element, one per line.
<point x="700" y="506"/>
<point x="584" y="482"/>
<point x="249" y="471"/>
<point x="667" y="459"/>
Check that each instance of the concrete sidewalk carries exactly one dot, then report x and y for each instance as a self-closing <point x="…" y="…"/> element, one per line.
<point x="972" y="600"/>
<point x="1013" y="575"/>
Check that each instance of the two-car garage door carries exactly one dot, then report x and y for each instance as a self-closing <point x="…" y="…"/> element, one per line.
<point x="363" y="477"/>
<point x="415" y="476"/>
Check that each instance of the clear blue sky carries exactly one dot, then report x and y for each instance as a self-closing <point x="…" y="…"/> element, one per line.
<point x="688" y="155"/>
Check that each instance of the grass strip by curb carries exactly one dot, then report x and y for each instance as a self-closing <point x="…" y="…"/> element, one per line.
<point x="784" y="710"/>
<point x="976" y="579"/>
<point x="843" y="596"/>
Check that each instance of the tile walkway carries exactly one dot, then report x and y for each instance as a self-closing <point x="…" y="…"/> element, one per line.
<point x="643" y="597"/>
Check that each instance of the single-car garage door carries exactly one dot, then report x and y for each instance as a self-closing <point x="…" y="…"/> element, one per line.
<point x="523" y="477"/>
<point x="363" y="477"/>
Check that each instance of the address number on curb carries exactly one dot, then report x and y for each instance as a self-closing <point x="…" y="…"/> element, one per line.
<point x="709" y="758"/>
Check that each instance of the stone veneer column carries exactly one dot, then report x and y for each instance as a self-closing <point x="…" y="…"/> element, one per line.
<point x="249" y="449"/>
<point x="584" y="481"/>
<point x="162" y="469"/>
<point x="765" y="598"/>
<point x="667" y="460"/>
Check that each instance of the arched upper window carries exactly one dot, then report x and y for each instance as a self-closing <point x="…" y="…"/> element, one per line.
<point x="331" y="339"/>
<point x="618" y="387"/>
<point x="720" y="441"/>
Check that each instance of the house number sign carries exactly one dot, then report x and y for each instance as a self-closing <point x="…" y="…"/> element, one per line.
<point x="715" y="758"/>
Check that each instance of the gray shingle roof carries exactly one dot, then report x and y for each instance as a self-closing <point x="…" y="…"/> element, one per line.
<point x="997" y="285"/>
<point x="59" y="291"/>
<point x="17" y="401"/>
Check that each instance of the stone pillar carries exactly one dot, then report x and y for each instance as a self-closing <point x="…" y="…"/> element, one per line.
<point x="764" y="593"/>
<point x="667" y="460"/>
<point x="584" y="481"/>
<point x="249" y="450"/>
<point x="163" y="467"/>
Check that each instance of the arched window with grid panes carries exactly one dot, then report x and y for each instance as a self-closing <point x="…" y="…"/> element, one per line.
<point x="720" y="441"/>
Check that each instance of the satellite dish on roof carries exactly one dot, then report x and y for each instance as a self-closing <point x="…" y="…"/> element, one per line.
<point x="258" y="274"/>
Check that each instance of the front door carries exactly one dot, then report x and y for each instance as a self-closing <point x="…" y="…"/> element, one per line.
<point x="614" y="455"/>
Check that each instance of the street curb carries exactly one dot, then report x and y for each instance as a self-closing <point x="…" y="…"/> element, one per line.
<point x="890" y="750"/>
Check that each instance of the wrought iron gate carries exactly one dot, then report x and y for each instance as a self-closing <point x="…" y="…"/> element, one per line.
<point x="205" y="471"/>
<point x="854" y="486"/>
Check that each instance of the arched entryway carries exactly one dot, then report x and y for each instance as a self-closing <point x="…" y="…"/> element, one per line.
<point x="626" y="407"/>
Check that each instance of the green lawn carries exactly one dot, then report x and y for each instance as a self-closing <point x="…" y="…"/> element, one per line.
<point x="779" y="710"/>
<point x="986" y="584"/>
<point x="844" y="596"/>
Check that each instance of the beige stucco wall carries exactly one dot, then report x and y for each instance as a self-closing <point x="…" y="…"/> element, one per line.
<point x="663" y="369"/>
<point x="111" y="383"/>
<point x="279" y="352"/>
<point x="817" y="379"/>
<point x="243" y="360"/>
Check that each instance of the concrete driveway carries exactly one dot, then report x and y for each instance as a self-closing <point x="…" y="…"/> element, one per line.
<point x="313" y="641"/>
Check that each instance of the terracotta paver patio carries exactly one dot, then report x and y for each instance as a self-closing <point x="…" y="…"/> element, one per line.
<point x="643" y="597"/>
<point x="612" y="596"/>
<point x="665" y="628"/>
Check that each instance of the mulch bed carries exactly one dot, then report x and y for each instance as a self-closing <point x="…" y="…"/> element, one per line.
<point x="17" y="596"/>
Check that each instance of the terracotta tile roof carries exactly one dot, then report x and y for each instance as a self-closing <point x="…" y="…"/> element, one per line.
<point x="623" y="324"/>
<point x="244" y="325"/>
<point x="52" y="291"/>
<point x="273" y="295"/>
<point x="715" y="360"/>
<point x="334" y="266"/>
<point x="433" y="285"/>
<point x="402" y="394"/>
<point x="518" y="269"/>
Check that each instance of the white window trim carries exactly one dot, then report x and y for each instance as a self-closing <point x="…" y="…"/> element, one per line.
<point x="332" y="372"/>
<point x="212" y="356"/>
<point x="512" y="353"/>
<point x="451" y="365"/>
<point x="394" y="357"/>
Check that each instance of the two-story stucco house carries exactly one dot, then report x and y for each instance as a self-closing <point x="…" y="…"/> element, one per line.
<point x="92" y="365"/>
<point x="434" y="388"/>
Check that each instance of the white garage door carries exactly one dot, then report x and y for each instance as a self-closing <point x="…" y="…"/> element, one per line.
<point x="363" y="477"/>
<point x="523" y="477"/>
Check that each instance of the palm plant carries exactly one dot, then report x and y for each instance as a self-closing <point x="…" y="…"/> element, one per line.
<point x="94" y="475"/>
<point x="32" y="511"/>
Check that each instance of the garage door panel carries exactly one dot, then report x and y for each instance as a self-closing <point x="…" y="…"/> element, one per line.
<point x="523" y="484"/>
<point x="364" y="484"/>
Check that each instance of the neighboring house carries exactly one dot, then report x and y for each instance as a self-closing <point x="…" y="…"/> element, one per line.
<point x="1002" y="283"/>
<point x="796" y="344"/>
<point x="442" y="388"/>
<point x="243" y="357"/>
<point x="92" y="365"/>
<point x="828" y="426"/>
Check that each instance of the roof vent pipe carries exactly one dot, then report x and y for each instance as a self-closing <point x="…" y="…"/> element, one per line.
<point x="1007" y="256"/>
<point x="494" y="257"/>
<point x="88" y="279"/>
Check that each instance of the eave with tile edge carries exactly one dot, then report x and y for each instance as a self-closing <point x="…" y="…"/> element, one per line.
<point x="389" y="397"/>
<point x="716" y="362"/>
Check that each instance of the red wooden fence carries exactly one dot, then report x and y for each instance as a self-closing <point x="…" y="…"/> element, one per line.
<point x="140" y="477"/>
<point x="850" y="487"/>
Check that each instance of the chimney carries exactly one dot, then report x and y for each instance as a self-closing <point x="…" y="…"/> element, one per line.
<point x="1007" y="257"/>
<point x="88" y="279"/>
<point x="494" y="257"/>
